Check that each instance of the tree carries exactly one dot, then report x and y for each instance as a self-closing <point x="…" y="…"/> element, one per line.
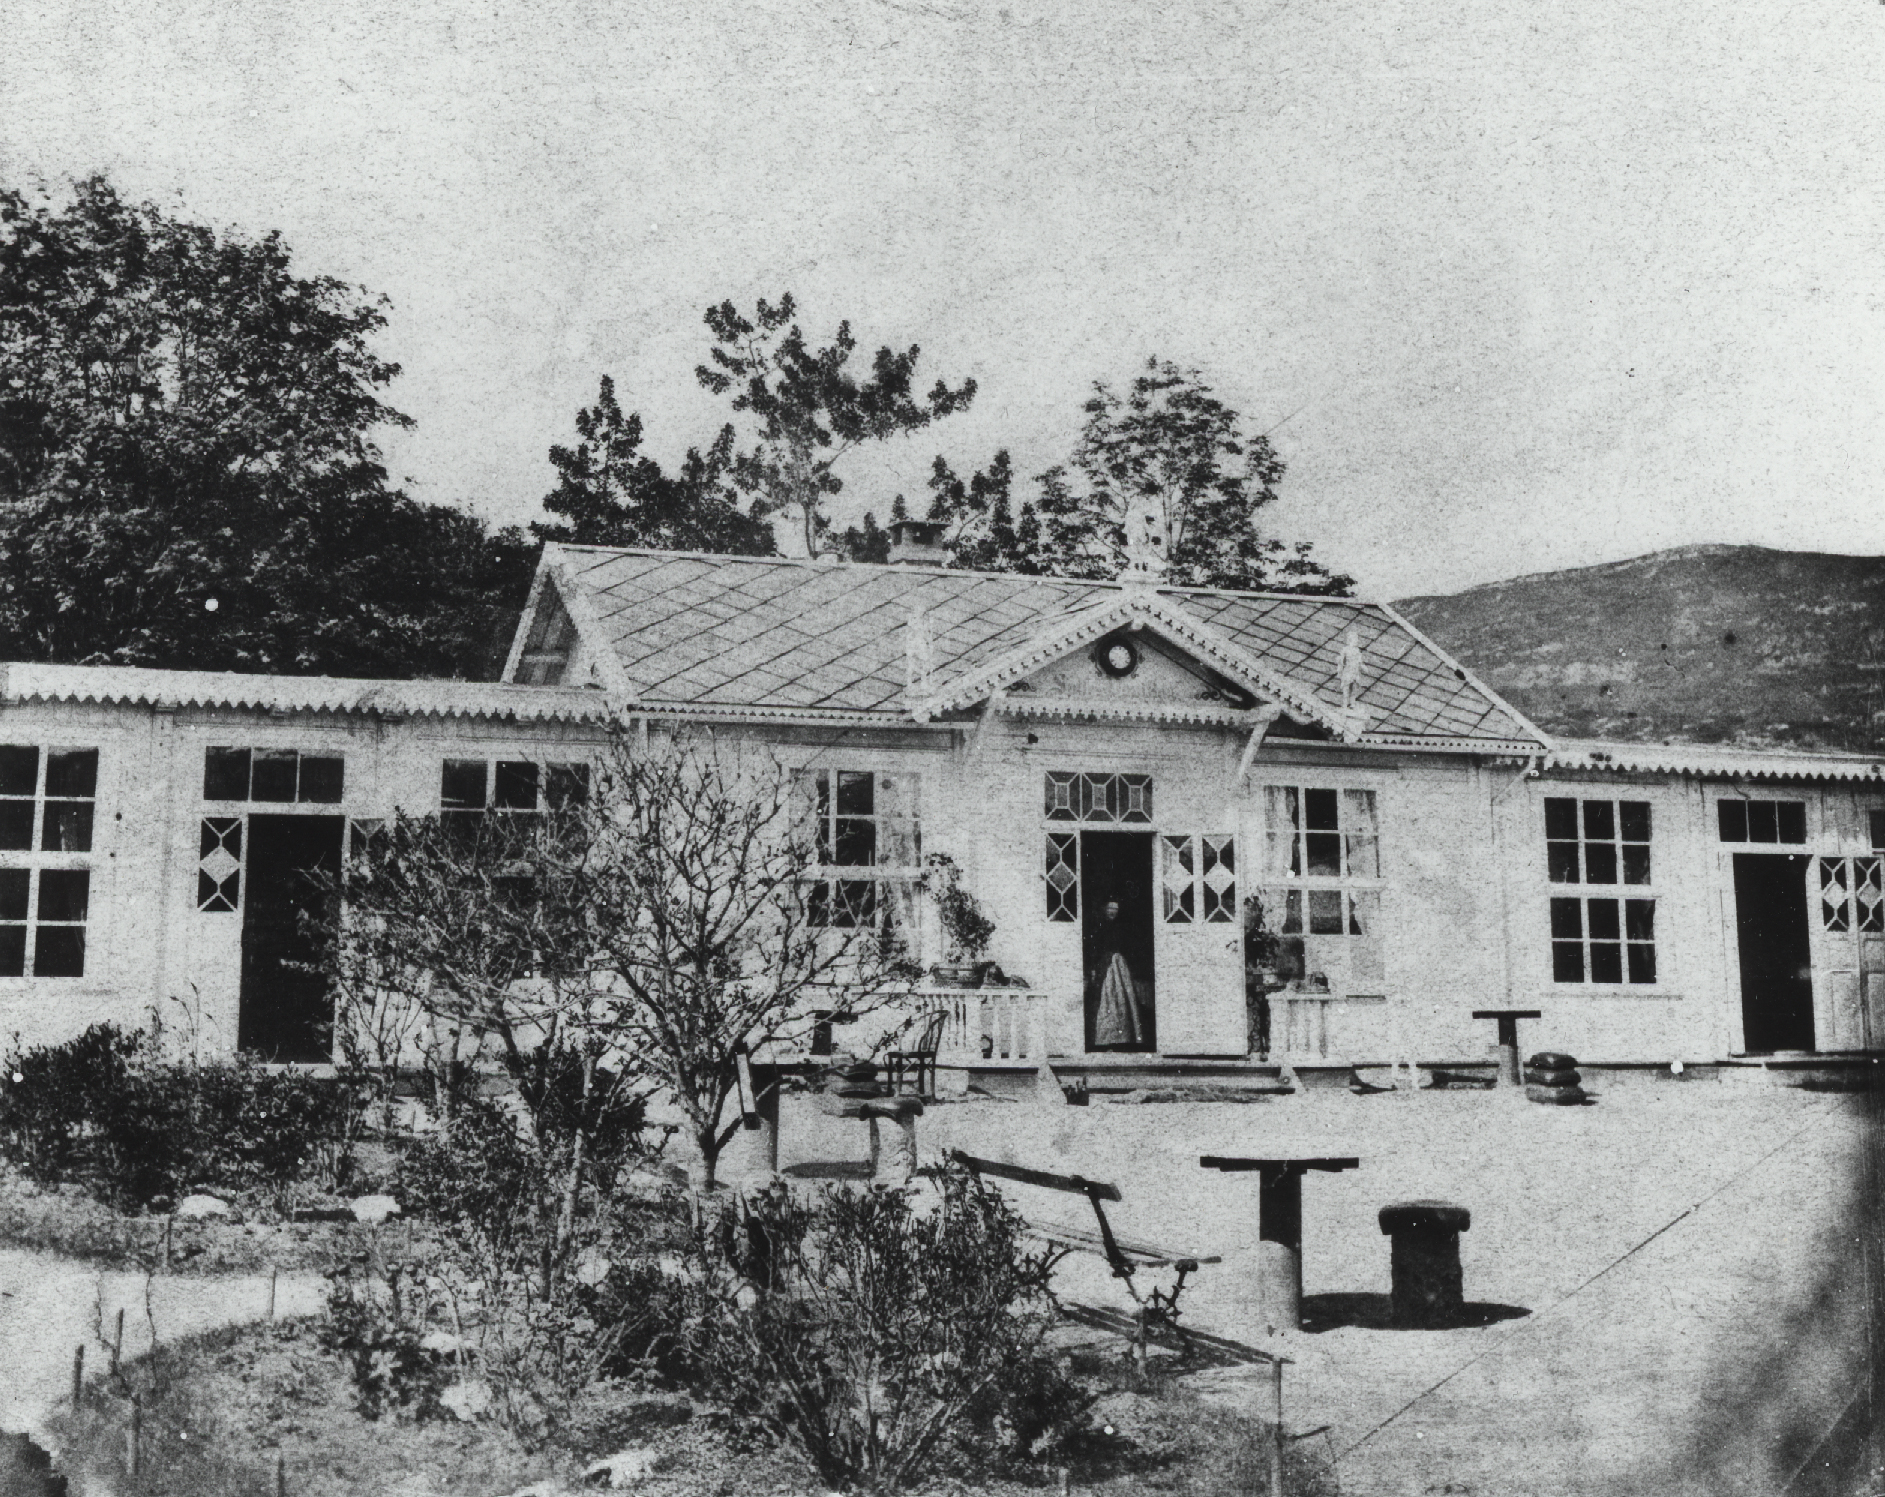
<point x="1167" y="457"/>
<point x="610" y="493"/>
<point x="809" y="409"/>
<point x="714" y="932"/>
<point x="189" y="473"/>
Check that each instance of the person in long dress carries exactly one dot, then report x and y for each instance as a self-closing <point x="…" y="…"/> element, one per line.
<point x="1116" y="1023"/>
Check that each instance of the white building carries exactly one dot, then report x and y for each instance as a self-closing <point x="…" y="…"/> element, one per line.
<point x="1419" y="848"/>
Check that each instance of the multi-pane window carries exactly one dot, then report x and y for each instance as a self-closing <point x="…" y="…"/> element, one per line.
<point x="1762" y="820"/>
<point x="471" y="787"/>
<point x="277" y="776"/>
<point x="1852" y="895"/>
<point x="47" y="800"/>
<point x="1198" y="880"/>
<point x="1322" y="884"/>
<point x="867" y="846"/>
<point x="219" y="865"/>
<point x="1597" y="841"/>
<point x="1601" y="939"/>
<point x="1875" y="824"/>
<point x="1061" y="871"/>
<point x="1103" y="799"/>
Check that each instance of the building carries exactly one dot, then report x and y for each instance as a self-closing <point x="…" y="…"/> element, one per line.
<point x="1419" y="850"/>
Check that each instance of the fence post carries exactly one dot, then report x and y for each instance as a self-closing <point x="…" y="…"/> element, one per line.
<point x="78" y="1374"/>
<point x="117" y="1343"/>
<point x="1276" y="1438"/>
<point x="272" y="1272"/>
<point x="137" y="1432"/>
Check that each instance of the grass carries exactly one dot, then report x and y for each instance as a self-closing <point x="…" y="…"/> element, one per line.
<point x="217" y="1414"/>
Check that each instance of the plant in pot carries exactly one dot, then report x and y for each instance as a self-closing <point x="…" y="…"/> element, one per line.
<point x="966" y="929"/>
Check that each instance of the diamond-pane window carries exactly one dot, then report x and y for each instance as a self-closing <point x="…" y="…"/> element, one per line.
<point x="1062" y="873"/>
<point x="219" y="865"/>
<point x="1219" y="877"/>
<point x="1178" y="878"/>
<point x="1835" y="906"/>
<point x="1101" y="799"/>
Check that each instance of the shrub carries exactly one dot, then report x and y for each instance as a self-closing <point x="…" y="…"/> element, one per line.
<point x="383" y="1340"/>
<point x="870" y="1333"/>
<point x="106" y="1111"/>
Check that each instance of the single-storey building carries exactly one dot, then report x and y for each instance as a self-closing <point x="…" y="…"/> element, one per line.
<point x="1119" y="769"/>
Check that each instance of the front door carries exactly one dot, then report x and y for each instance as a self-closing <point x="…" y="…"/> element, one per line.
<point x="287" y="1001"/>
<point x="1116" y="940"/>
<point x="1776" y="953"/>
<point x="1200" y="947"/>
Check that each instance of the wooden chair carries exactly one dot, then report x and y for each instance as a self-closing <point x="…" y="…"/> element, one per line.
<point x="916" y="1062"/>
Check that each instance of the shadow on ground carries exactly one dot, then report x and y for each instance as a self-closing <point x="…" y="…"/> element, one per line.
<point x="829" y="1169"/>
<point x="1374" y="1312"/>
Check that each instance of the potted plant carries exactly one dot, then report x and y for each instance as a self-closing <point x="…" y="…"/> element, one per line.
<point x="966" y="929"/>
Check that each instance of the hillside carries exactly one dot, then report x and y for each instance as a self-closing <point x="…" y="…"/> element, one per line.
<point x="1707" y="644"/>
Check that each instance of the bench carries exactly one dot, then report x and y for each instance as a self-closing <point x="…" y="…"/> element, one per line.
<point x="1123" y="1256"/>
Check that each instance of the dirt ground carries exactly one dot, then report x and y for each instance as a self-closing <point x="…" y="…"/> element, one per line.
<point x="1685" y="1255"/>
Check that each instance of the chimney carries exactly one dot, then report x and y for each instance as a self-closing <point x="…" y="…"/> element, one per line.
<point x="917" y="543"/>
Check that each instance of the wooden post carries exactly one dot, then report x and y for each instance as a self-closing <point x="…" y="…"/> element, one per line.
<point x="78" y="1374"/>
<point x="167" y="1222"/>
<point x="281" y="1475"/>
<point x="117" y="1343"/>
<point x="1276" y="1440"/>
<point x="137" y="1432"/>
<point x="1279" y="1245"/>
<point x="272" y="1272"/>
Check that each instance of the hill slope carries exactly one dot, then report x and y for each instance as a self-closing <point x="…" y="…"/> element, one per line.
<point x="1707" y="644"/>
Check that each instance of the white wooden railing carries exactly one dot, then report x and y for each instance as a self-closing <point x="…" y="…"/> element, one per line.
<point x="999" y="1026"/>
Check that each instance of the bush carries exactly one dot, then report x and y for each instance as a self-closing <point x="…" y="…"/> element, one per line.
<point x="106" y="1111"/>
<point x="383" y="1340"/>
<point x="872" y="1333"/>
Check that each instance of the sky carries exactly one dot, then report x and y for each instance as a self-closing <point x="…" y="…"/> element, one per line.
<point x="1512" y="287"/>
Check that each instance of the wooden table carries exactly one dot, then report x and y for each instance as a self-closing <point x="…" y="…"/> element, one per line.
<point x="1508" y="1038"/>
<point x="1279" y="1225"/>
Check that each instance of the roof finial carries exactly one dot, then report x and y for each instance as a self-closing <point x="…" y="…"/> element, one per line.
<point x="1348" y="667"/>
<point x="1147" y="541"/>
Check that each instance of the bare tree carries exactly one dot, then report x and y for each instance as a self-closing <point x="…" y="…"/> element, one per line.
<point x="713" y="929"/>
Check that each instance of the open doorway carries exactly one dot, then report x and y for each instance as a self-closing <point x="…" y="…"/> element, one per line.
<point x="1776" y="954"/>
<point x="287" y="1001"/>
<point x="1116" y="930"/>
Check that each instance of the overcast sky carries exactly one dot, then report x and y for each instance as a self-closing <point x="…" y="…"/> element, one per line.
<point x="1518" y="286"/>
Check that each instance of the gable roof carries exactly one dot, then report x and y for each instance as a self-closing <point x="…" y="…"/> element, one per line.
<point x="771" y="636"/>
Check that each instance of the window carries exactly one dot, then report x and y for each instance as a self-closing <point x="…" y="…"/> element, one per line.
<point x="1322" y="885"/>
<point x="1601" y="940"/>
<point x="1593" y="939"/>
<point x="1062" y="873"/>
<point x="219" y="865"/>
<point x="867" y="845"/>
<point x="1763" y="820"/>
<point x="1099" y="798"/>
<point x="274" y="776"/>
<point x="1852" y="895"/>
<point x="1876" y="825"/>
<point x="47" y="801"/>
<point x="1198" y="880"/>
<point x="470" y="787"/>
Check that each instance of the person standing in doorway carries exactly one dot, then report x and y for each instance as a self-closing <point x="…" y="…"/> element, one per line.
<point x="1116" y="1020"/>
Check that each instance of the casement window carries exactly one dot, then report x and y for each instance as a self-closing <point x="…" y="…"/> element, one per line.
<point x="867" y="847"/>
<point x="1781" y="821"/>
<point x="47" y="803"/>
<point x="1198" y="880"/>
<point x="1321" y="884"/>
<point x="1603" y="938"/>
<point x="275" y="776"/>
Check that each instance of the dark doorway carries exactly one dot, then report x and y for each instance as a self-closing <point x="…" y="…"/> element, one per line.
<point x="1776" y="959"/>
<point x="1116" y="867"/>
<point x="287" y="1011"/>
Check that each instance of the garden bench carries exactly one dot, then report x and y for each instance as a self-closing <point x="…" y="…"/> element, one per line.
<point x="1123" y="1256"/>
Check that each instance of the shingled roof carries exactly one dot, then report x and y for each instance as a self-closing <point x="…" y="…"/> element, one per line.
<point x="783" y="636"/>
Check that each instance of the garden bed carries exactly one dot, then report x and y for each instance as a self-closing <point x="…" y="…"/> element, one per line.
<point x="69" y="1221"/>
<point x="219" y="1412"/>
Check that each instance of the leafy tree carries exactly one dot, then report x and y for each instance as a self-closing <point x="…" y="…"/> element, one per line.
<point x="610" y="493"/>
<point x="189" y="474"/>
<point x="1165" y="448"/>
<point x="808" y="408"/>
